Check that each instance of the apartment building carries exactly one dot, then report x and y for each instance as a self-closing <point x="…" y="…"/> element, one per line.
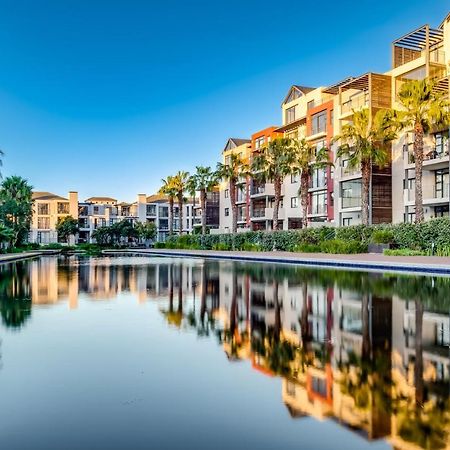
<point x="96" y="212"/>
<point x="48" y="209"/>
<point x="243" y="148"/>
<point x="318" y="115"/>
<point x="212" y="211"/>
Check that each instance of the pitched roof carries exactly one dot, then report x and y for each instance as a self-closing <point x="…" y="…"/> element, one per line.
<point x="43" y="195"/>
<point x="302" y="89"/>
<point x="235" y="142"/>
<point x="101" y="199"/>
<point x="157" y="198"/>
<point x="447" y="17"/>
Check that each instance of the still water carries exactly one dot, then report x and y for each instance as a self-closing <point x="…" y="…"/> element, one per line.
<point x="161" y="353"/>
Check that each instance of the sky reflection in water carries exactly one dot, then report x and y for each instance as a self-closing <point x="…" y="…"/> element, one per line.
<point x="164" y="353"/>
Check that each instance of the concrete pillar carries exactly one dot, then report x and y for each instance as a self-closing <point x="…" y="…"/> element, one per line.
<point x="73" y="204"/>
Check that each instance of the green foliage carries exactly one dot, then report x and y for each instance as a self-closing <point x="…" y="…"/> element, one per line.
<point x="385" y="236"/>
<point x="338" y="246"/>
<point x="16" y="208"/>
<point x="403" y="252"/>
<point x="66" y="227"/>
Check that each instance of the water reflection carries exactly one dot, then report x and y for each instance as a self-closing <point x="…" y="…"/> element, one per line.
<point x="368" y="350"/>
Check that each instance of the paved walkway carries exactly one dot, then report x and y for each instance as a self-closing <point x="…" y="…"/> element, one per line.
<point x="422" y="264"/>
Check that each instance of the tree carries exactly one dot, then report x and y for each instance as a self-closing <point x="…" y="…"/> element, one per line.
<point x="364" y="142"/>
<point x="274" y="163"/>
<point x="6" y="235"/>
<point x="180" y="181"/>
<point x="102" y="235"/>
<point x="231" y="171"/>
<point x="423" y="110"/>
<point x="168" y="189"/>
<point x="16" y="207"/>
<point x="146" y="231"/>
<point x="203" y="180"/>
<point x="66" y="227"/>
<point x="306" y="160"/>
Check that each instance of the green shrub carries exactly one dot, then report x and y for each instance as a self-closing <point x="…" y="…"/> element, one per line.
<point x="403" y="252"/>
<point x="159" y="245"/>
<point x="54" y="246"/>
<point x="249" y="247"/>
<point x="383" y="236"/>
<point x="221" y="246"/>
<point x="441" y="251"/>
<point x="338" y="246"/>
<point x="306" y="248"/>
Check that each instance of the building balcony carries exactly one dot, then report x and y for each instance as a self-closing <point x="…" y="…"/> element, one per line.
<point x="350" y="202"/>
<point x="262" y="190"/>
<point x="266" y="214"/>
<point x="355" y="103"/>
<point x="433" y="157"/>
<point x="432" y="195"/>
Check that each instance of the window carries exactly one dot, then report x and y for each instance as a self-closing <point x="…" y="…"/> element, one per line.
<point x="259" y="142"/>
<point x="441" y="183"/>
<point x="319" y="178"/>
<point x="163" y="211"/>
<point x="294" y="202"/>
<point x="43" y="209"/>
<point x="227" y="212"/>
<point x="294" y="178"/>
<point x="151" y="210"/>
<point x="310" y="105"/>
<point x="227" y="193"/>
<point x="83" y="210"/>
<point x="319" y="123"/>
<point x="227" y="160"/>
<point x="96" y="209"/>
<point x="319" y="203"/>
<point x="441" y="211"/>
<point x="351" y="194"/>
<point x="44" y="223"/>
<point x="441" y="142"/>
<point x="63" y="208"/>
<point x="346" y="221"/>
<point x="290" y="114"/>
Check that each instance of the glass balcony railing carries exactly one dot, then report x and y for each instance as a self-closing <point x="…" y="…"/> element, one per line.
<point x="259" y="189"/>
<point x="429" y="153"/>
<point x="356" y="102"/>
<point x="259" y="212"/>
<point x="318" y="209"/>
<point x="351" y="202"/>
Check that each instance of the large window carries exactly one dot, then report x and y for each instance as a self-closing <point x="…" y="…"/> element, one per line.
<point x="290" y="114"/>
<point x="351" y="194"/>
<point x="259" y="142"/>
<point x="319" y="123"/>
<point x="319" y="178"/>
<point x="151" y="210"/>
<point x="63" y="208"/>
<point x="319" y="203"/>
<point x="44" y="223"/>
<point x="441" y="143"/>
<point x="43" y="209"/>
<point x="441" y="183"/>
<point x="163" y="211"/>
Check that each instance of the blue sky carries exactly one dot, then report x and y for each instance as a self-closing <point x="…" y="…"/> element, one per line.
<point x="108" y="97"/>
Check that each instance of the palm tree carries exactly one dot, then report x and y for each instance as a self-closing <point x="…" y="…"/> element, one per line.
<point x="168" y="189"/>
<point x="274" y="163"/>
<point x="203" y="180"/>
<point x="423" y="110"/>
<point x="306" y="160"/>
<point x="180" y="181"/>
<point x="231" y="171"/>
<point x="16" y="206"/>
<point x="364" y="142"/>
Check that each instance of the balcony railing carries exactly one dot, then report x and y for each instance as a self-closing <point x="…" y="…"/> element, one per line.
<point x="242" y="218"/>
<point x="318" y="210"/>
<point x="437" y="56"/>
<point x="259" y="189"/>
<point x="349" y="171"/>
<point x="441" y="191"/>
<point x="429" y="153"/>
<point x="351" y="202"/>
<point x="259" y="212"/>
<point x="356" y="102"/>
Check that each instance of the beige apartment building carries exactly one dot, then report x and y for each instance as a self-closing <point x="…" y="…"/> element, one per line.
<point x="96" y="212"/>
<point x="318" y="114"/>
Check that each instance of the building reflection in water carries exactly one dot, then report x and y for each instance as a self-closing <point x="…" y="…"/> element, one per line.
<point x="370" y="351"/>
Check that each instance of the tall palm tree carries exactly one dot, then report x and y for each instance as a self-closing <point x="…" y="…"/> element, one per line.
<point x="274" y="163"/>
<point x="423" y="110"/>
<point x="231" y="171"/>
<point x="364" y="142"/>
<point x="203" y="180"/>
<point x="306" y="160"/>
<point x="168" y="189"/>
<point x="180" y="181"/>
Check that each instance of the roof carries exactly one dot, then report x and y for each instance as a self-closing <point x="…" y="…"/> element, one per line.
<point x="101" y="199"/>
<point x="42" y="195"/>
<point x="235" y="142"/>
<point x="157" y="198"/>
<point x="334" y="88"/>
<point x="302" y="89"/>
<point x="447" y="17"/>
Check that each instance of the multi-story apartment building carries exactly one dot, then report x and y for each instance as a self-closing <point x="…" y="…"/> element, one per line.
<point x="243" y="148"/>
<point x="212" y="211"/>
<point x="96" y="212"/>
<point x="318" y="115"/>
<point x="48" y="209"/>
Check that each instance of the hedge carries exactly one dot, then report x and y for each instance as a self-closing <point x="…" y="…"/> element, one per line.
<point x="419" y="237"/>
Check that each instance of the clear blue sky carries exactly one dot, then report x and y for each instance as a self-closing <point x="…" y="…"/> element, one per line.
<point x="108" y="96"/>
